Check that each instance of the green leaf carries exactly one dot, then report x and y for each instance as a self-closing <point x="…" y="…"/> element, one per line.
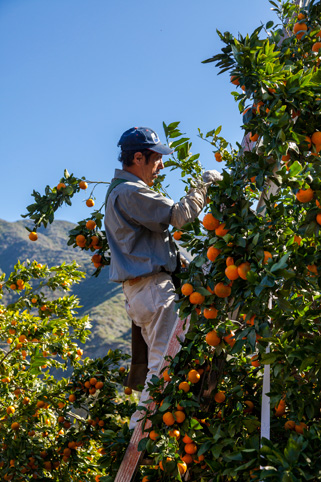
<point x="280" y="264"/>
<point x="295" y="169"/>
<point x="142" y="444"/>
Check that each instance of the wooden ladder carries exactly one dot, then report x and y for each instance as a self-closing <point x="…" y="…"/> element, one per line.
<point x="132" y="457"/>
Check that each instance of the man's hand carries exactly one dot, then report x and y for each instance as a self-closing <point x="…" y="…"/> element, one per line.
<point x="212" y="176"/>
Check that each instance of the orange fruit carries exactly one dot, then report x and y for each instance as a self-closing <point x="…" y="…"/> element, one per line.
<point x="179" y="416"/>
<point x="297" y="239"/>
<point x="10" y="409"/>
<point x="83" y="185"/>
<point x="99" y="385"/>
<point x="312" y="268"/>
<point x="315" y="48"/>
<point x="231" y="272"/>
<point x="191" y="448"/>
<point x="209" y="222"/>
<point x="280" y="408"/>
<point x="96" y="258"/>
<point x="289" y="425"/>
<point x="254" y="361"/>
<point x="300" y="427"/>
<point x="182" y="467"/>
<point x="249" y="404"/>
<point x="212" y="253"/>
<point x="153" y="435"/>
<point x="193" y="376"/>
<point x="72" y="398"/>
<point x="229" y="339"/>
<point x="221" y="290"/>
<point x="33" y="236"/>
<point x="187" y="289"/>
<point x="210" y="313"/>
<point x="166" y="376"/>
<point x="243" y="269"/>
<point x="61" y="185"/>
<point x="229" y="261"/>
<point x="188" y="459"/>
<point x="254" y="137"/>
<point x="196" y="298"/>
<point x="184" y="386"/>
<point x="128" y="391"/>
<point x="187" y="440"/>
<point x="174" y="433"/>
<point x="305" y="195"/>
<point x="234" y="80"/>
<point x="267" y="256"/>
<point x="90" y="203"/>
<point x="168" y="418"/>
<point x="15" y="426"/>
<point x="316" y="137"/>
<point x="145" y="479"/>
<point x="219" y="397"/>
<point x="221" y="231"/>
<point x="300" y="27"/>
<point x="218" y="157"/>
<point x="212" y="338"/>
<point x="318" y="218"/>
<point x="177" y="235"/>
<point x="81" y="240"/>
<point x="90" y="224"/>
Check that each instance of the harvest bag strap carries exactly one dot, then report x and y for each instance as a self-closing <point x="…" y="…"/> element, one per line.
<point x="112" y="186"/>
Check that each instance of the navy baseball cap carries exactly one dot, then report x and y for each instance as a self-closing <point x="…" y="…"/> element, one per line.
<point x="138" y="138"/>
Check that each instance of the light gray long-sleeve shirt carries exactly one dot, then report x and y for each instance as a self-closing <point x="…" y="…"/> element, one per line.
<point x="137" y="227"/>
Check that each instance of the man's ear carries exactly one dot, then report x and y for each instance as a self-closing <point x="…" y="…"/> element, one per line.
<point x="138" y="158"/>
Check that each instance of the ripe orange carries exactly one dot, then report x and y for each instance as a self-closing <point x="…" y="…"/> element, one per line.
<point x="184" y="386"/>
<point x="229" y="261"/>
<point x="221" y="231"/>
<point x="300" y="27"/>
<point x="209" y="222"/>
<point x="179" y="416"/>
<point x="90" y="224"/>
<point x="81" y="240"/>
<point x="305" y="195"/>
<point x="280" y="408"/>
<point x="128" y="391"/>
<point x="312" y="268"/>
<point x="168" y="418"/>
<point x="191" y="448"/>
<point x="187" y="440"/>
<point x="297" y="239"/>
<point x="300" y="427"/>
<point x="254" y="137"/>
<point x="166" y="376"/>
<point x="182" y="467"/>
<point x="99" y="385"/>
<point x="15" y="426"/>
<point x="174" y="433"/>
<point x="187" y="289"/>
<point x="234" y="80"/>
<point x="315" y="48"/>
<point x="243" y="269"/>
<point x="188" y="459"/>
<point x="96" y="258"/>
<point x="221" y="290"/>
<point x="177" y="235"/>
<point x="231" y="272"/>
<point x="219" y="397"/>
<point x="90" y="203"/>
<point x="289" y="425"/>
<point x="212" y="338"/>
<point x="249" y="404"/>
<point x="83" y="185"/>
<point x="229" y="339"/>
<point x="210" y="313"/>
<point x="254" y="361"/>
<point x="218" y="156"/>
<point x="267" y="256"/>
<point x="10" y="409"/>
<point x="33" y="236"/>
<point x="318" y="218"/>
<point x="153" y="435"/>
<point x="145" y="479"/>
<point x="212" y="253"/>
<point x="61" y="185"/>
<point x="72" y="398"/>
<point x="196" y="298"/>
<point x="193" y="376"/>
<point x="316" y="137"/>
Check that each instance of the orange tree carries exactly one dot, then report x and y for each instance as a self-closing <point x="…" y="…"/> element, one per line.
<point x="209" y="398"/>
<point x="54" y="427"/>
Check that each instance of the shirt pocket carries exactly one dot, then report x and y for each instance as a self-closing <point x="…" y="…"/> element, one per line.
<point x="140" y="305"/>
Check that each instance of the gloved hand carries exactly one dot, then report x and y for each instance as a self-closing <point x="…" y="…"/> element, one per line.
<point x="212" y="176"/>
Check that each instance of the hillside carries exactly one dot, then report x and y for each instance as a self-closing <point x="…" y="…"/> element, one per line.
<point x="101" y="299"/>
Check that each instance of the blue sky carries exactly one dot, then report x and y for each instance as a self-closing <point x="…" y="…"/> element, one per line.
<point x="77" y="73"/>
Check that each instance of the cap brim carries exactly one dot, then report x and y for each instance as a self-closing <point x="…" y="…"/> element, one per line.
<point x="161" y="149"/>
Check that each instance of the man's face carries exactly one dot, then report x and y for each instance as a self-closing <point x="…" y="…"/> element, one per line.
<point x="150" y="171"/>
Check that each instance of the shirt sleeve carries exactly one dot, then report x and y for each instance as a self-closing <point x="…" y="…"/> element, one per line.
<point x="146" y="207"/>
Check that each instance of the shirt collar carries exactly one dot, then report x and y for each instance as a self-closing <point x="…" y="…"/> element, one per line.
<point x="121" y="174"/>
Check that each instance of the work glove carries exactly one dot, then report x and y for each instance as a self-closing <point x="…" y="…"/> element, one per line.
<point x="211" y="177"/>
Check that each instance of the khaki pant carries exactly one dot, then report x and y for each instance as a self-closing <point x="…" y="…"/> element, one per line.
<point x="150" y="303"/>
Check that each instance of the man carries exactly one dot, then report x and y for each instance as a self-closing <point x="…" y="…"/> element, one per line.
<point x="143" y="253"/>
